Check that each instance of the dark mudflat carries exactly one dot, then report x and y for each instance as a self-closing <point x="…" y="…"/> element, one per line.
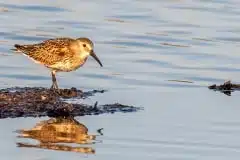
<point x="35" y="102"/>
<point x="226" y="88"/>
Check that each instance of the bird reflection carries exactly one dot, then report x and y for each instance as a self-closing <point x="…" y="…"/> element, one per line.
<point x="62" y="130"/>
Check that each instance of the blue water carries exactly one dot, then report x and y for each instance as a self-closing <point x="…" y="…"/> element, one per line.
<point x="143" y="45"/>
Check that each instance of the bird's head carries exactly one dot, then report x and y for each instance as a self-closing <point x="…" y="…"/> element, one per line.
<point x="86" y="48"/>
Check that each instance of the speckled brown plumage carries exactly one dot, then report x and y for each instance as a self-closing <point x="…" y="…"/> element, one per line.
<point x="49" y="52"/>
<point x="60" y="54"/>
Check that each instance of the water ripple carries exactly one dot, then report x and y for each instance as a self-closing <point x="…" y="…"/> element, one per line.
<point x="33" y="7"/>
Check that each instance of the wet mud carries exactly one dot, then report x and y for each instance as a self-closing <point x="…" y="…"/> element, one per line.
<point x="227" y="87"/>
<point x="36" y="102"/>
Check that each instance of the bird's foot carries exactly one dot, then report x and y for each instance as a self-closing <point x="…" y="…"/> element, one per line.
<point x="55" y="89"/>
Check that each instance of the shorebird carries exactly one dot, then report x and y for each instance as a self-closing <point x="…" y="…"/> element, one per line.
<point x="60" y="54"/>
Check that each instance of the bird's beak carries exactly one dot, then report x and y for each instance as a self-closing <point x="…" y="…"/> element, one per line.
<point x="95" y="57"/>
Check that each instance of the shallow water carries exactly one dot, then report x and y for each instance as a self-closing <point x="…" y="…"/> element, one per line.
<point x="143" y="45"/>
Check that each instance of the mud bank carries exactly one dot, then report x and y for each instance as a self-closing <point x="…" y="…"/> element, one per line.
<point x="36" y="102"/>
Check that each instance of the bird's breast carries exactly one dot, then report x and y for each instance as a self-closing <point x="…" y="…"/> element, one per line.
<point x="68" y="64"/>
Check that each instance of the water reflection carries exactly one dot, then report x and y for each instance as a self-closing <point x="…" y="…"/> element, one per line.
<point x="62" y="130"/>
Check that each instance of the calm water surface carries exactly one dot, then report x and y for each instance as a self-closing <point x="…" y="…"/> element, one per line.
<point x="143" y="45"/>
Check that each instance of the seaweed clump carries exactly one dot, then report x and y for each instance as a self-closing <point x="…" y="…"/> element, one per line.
<point x="227" y="87"/>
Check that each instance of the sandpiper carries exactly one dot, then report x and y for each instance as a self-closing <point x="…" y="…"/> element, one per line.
<point x="60" y="54"/>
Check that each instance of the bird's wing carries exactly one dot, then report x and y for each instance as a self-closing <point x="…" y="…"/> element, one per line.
<point x="48" y="52"/>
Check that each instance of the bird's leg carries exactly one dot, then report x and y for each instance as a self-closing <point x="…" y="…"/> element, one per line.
<point x="54" y="81"/>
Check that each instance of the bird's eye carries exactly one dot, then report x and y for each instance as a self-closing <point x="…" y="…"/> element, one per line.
<point x="84" y="45"/>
